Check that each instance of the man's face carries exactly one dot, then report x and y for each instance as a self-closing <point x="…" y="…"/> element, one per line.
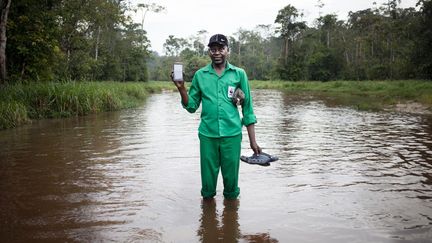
<point x="218" y="53"/>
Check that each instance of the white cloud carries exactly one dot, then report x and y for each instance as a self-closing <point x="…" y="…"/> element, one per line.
<point x="184" y="18"/>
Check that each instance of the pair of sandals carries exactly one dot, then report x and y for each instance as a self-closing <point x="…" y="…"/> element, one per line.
<point x="262" y="159"/>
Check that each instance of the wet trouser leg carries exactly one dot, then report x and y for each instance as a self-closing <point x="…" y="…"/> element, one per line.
<point x="220" y="153"/>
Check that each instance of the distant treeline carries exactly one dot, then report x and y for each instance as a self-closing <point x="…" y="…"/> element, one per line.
<point x="96" y="40"/>
<point x="73" y="40"/>
<point x="385" y="42"/>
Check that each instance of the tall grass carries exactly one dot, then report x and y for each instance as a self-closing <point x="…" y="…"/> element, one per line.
<point x="12" y="114"/>
<point x="20" y="103"/>
<point x="384" y="92"/>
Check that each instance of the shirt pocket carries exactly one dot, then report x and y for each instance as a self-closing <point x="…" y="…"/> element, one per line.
<point x="229" y="87"/>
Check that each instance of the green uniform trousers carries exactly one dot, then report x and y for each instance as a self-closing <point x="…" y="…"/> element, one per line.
<point x="223" y="153"/>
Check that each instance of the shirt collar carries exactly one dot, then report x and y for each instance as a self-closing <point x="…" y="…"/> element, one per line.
<point x="209" y="67"/>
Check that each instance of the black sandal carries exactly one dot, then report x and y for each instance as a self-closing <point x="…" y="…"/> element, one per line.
<point x="262" y="159"/>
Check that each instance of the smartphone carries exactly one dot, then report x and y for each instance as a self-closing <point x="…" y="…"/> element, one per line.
<point x="178" y="71"/>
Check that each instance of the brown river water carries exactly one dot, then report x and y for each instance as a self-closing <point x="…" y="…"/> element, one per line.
<point x="133" y="176"/>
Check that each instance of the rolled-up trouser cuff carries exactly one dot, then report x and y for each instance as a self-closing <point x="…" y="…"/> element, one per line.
<point x="232" y="195"/>
<point x="207" y="194"/>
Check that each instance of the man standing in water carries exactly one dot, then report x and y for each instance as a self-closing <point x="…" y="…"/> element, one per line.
<point x="220" y="130"/>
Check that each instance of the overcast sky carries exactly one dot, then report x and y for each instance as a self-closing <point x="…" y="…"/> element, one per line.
<point x="184" y="18"/>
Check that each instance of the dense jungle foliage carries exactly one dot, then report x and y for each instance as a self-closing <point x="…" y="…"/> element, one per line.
<point x="98" y="40"/>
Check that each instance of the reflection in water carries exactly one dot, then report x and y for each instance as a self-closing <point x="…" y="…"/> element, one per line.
<point x="45" y="182"/>
<point x="133" y="176"/>
<point x="228" y="230"/>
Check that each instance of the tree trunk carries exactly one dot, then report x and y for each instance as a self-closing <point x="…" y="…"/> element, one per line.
<point x="23" y="70"/>
<point x="286" y="50"/>
<point x="347" y="58"/>
<point x="328" y="38"/>
<point x="357" y="52"/>
<point x="97" y="43"/>
<point x="346" y="50"/>
<point x="5" y="4"/>
<point x="239" y="54"/>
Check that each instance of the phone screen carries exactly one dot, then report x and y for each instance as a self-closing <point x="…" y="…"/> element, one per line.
<point x="178" y="72"/>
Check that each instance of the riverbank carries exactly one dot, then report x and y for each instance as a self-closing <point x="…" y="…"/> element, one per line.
<point x="405" y="96"/>
<point x="20" y="104"/>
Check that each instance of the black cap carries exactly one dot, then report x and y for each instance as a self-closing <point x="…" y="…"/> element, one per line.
<point x="218" y="39"/>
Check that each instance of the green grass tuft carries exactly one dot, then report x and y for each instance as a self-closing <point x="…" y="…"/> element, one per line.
<point x="20" y="103"/>
<point x="12" y="114"/>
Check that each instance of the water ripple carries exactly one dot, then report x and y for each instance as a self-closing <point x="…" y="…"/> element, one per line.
<point x="343" y="175"/>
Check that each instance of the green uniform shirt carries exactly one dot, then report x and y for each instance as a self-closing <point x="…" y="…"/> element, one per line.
<point x="219" y="117"/>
